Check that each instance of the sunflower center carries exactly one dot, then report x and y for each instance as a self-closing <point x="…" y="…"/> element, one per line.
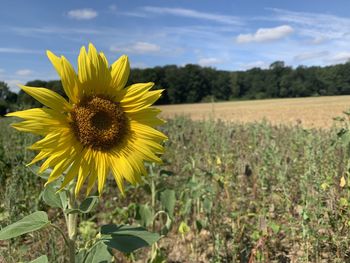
<point x="99" y="123"/>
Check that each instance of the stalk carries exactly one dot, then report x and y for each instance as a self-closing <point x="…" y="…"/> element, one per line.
<point x="71" y="221"/>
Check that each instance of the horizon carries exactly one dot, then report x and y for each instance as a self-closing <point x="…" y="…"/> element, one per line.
<point x="230" y="36"/>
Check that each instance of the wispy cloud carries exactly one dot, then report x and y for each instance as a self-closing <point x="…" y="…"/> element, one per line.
<point x="138" y="47"/>
<point x="190" y="13"/>
<point x="204" y="62"/>
<point x="318" y="40"/>
<point x="310" y="55"/>
<point x="19" y="50"/>
<point x="254" y="64"/>
<point x="24" y="72"/>
<point x="315" y="25"/>
<point x="340" y="57"/>
<point x="266" y="34"/>
<point x="53" y="30"/>
<point x="140" y="65"/>
<point x="82" y="14"/>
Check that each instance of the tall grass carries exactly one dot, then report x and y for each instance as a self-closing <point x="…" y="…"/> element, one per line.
<point x="247" y="192"/>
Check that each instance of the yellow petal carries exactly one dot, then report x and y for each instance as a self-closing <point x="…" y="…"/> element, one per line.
<point x="73" y="171"/>
<point x="41" y="155"/>
<point x="147" y="153"/>
<point x="123" y="166"/>
<point x="100" y="71"/>
<point x="84" y="169"/>
<point x="102" y="170"/>
<point x="52" y="140"/>
<point x="67" y="74"/>
<point x="84" y="72"/>
<point x="48" y="98"/>
<point x="138" y="103"/>
<point x="146" y="116"/>
<point x="137" y="90"/>
<point x="37" y="127"/>
<point x="70" y="81"/>
<point x="41" y="115"/>
<point x="102" y="55"/>
<point x="120" y="73"/>
<point x="147" y="132"/>
<point x="59" y="169"/>
<point x="118" y="177"/>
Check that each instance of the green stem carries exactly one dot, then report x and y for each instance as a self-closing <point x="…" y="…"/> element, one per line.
<point x="66" y="240"/>
<point x="71" y="221"/>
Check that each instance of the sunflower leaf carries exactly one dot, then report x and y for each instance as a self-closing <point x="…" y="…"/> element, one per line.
<point x="127" y="238"/>
<point x="144" y="215"/>
<point x="54" y="199"/>
<point x="85" y="207"/>
<point x="168" y="199"/>
<point x="32" y="222"/>
<point x="41" y="259"/>
<point x="99" y="253"/>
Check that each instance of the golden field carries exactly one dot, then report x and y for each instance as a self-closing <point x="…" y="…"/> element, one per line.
<point x="314" y="112"/>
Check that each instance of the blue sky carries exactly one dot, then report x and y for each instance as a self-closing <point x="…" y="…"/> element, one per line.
<point x="230" y="34"/>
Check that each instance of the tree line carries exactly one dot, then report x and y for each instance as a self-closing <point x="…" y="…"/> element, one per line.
<point x="193" y="83"/>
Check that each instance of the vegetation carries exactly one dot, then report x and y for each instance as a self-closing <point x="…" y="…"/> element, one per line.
<point x="193" y="83"/>
<point x="253" y="192"/>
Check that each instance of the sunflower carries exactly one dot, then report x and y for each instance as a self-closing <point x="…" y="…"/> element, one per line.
<point x="103" y="127"/>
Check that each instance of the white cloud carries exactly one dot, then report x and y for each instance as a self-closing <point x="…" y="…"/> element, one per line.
<point x="318" y="40"/>
<point x="316" y="25"/>
<point x="232" y="20"/>
<point x="58" y="30"/>
<point x="24" y="72"/>
<point x="13" y="84"/>
<point x="18" y="50"/>
<point x="138" y="47"/>
<point x="139" y="65"/>
<point x="255" y="64"/>
<point x="340" y="57"/>
<point x="310" y="55"/>
<point x="82" y="14"/>
<point x="266" y="34"/>
<point x="204" y="62"/>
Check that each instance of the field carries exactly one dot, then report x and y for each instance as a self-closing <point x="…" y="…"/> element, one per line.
<point x="244" y="192"/>
<point x="314" y="112"/>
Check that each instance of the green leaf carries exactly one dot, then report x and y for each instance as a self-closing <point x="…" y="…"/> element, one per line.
<point x="127" y="238"/>
<point x="99" y="253"/>
<point x="207" y="205"/>
<point x="32" y="222"/>
<point x="35" y="170"/>
<point x="144" y="215"/>
<point x="275" y="227"/>
<point x="86" y="206"/>
<point x="80" y="256"/>
<point x="168" y="199"/>
<point x="54" y="199"/>
<point x="41" y="259"/>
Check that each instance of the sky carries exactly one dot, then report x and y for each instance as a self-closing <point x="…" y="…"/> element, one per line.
<point x="223" y="34"/>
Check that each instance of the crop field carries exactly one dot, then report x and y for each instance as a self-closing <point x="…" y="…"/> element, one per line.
<point x="316" y="112"/>
<point x="240" y="192"/>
